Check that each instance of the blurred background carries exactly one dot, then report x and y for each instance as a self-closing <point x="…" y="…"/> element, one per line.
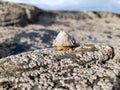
<point x="24" y="27"/>
<point x="74" y="5"/>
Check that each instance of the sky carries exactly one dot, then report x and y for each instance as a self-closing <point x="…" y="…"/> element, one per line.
<point x="76" y="5"/>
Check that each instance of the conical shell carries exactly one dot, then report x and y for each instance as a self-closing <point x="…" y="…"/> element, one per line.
<point x="64" y="40"/>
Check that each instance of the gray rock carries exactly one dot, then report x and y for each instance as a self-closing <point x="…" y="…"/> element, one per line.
<point x="17" y="14"/>
<point x="87" y="15"/>
<point x="47" y="69"/>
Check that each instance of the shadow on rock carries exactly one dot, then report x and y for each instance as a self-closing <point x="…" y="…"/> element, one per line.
<point x="5" y="48"/>
<point x="117" y="83"/>
<point x="33" y="39"/>
<point x="27" y="41"/>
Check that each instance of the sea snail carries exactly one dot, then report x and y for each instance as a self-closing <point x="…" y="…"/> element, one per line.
<point x="63" y="41"/>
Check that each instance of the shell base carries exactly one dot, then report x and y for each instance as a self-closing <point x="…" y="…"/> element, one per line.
<point x="62" y="48"/>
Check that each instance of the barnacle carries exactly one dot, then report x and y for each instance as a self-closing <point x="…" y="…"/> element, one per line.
<point x="63" y="41"/>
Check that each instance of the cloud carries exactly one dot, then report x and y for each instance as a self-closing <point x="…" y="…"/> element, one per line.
<point x="109" y="5"/>
<point x="50" y="2"/>
<point x="17" y="1"/>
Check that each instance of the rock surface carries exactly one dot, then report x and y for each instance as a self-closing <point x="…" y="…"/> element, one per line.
<point x="47" y="69"/>
<point x="40" y="67"/>
<point x="17" y="14"/>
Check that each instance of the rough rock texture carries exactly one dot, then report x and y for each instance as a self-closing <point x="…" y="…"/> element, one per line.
<point x="47" y="69"/>
<point x="17" y="14"/>
<point x="53" y="70"/>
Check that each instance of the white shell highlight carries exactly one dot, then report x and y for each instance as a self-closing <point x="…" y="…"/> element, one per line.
<point x="64" y="39"/>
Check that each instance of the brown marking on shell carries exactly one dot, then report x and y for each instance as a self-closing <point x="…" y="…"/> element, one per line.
<point x="62" y="48"/>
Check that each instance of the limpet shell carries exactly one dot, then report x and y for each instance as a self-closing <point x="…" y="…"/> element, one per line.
<point x="63" y="41"/>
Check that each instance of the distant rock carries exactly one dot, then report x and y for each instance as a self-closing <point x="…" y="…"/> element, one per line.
<point x="87" y="14"/>
<point x="12" y="14"/>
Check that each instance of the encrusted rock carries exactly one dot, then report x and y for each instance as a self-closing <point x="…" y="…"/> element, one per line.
<point x="49" y="69"/>
<point x="94" y="52"/>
